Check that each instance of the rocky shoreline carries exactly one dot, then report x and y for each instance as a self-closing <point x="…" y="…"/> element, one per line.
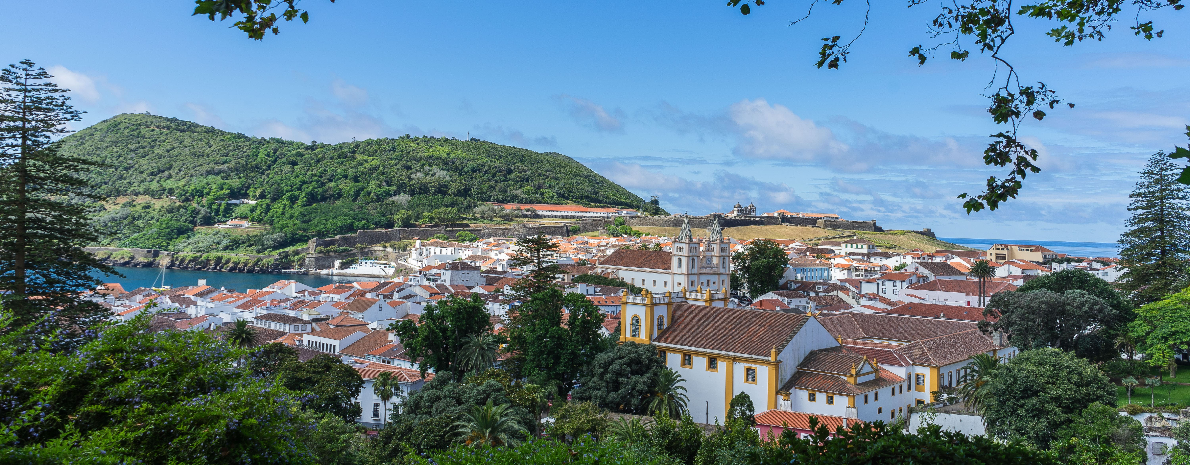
<point x="150" y="258"/>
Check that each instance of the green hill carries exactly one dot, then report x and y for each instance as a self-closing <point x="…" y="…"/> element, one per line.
<point x="305" y="190"/>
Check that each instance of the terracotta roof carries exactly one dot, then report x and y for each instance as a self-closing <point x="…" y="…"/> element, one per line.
<point x="947" y="349"/>
<point x="896" y="276"/>
<point x="801" y="420"/>
<point x="881" y="353"/>
<point x="826" y="300"/>
<point x="340" y="333"/>
<point x="366" y="344"/>
<point x="650" y="259"/>
<point x="970" y="288"/>
<point x="838" y="360"/>
<point x="836" y="384"/>
<point x="940" y="268"/>
<point x="954" y="312"/>
<point x="356" y="306"/>
<point x="887" y="327"/>
<point x="770" y="304"/>
<point x="281" y="318"/>
<point x="735" y="330"/>
<point x="111" y="289"/>
<point x="790" y="294"/>
<point x="611" y="324"/>
<point x="346" y="320"/>
<point x="370" y="370"/>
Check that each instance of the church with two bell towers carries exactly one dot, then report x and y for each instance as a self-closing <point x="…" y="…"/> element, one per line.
<point x="691" y="266"/>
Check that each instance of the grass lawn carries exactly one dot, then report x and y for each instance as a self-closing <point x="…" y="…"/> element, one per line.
<point x="1161" y="394"/>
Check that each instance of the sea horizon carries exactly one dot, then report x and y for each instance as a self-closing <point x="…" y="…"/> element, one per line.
<point x="1075" y="248"/>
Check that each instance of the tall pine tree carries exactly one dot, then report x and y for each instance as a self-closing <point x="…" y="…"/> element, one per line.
<point x="1156" y="247"/>
<point x="43" y="206"/>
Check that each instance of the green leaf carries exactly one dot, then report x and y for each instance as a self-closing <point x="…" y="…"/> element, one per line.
<point x="745" y="9"/>
<point x="305" y="17"/>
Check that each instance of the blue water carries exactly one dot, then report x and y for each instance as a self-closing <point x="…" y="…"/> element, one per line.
<point x="144" y="277"/>
<point x="1078" y="249"/>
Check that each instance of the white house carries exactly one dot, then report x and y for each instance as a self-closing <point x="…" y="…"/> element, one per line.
<point x="374" y="412"/>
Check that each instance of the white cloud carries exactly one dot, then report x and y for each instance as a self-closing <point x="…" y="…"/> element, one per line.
<point x="80" y="85"/>
<point x="593" y="115"/>
<point x="1133" y="120"/>
<point x="773" y="131"/>
<point x="719" y="193"/>
<point x="349" y="94"/>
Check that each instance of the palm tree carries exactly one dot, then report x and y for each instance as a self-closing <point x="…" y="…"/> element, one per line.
<point x="241" y="335"/>
<point x="1130" y="382"/>
<point x="477" y="354"/>
<point x="489" y="425"/>
<point x="973" y="391"/>
<point x="1152" y="383"/>
<point x="386" y="387"/>
<point x="669" y="396"/>
<point x="981" y="270"/>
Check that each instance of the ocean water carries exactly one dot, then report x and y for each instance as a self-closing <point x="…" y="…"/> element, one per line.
<point x="1078" y="249"/>
<point x="144" y="277"/>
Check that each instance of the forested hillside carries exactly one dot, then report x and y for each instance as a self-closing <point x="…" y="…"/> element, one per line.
<point x="316" y="189"/>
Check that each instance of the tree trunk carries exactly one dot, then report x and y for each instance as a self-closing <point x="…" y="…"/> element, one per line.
<point x="1173" y="367"/>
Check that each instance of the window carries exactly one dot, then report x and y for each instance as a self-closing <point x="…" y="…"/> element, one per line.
<point x="902" y="389"/>
<point x="812" y="397"/>
<point x="679" y="259"/>
<point x="687" y="360"/>
<point x="661" y="353"/>
<point x="893" y="391"/>
<point x="634" y="327"/>
<point x="830" y="400"/>
<point x="712" y="364"/>
<point x="660" y="323"/>
<point x="654" y="282"/>
<point x="750" y="375"/>
<point x="920" y="402"/>
<point x="664" y="283"/>
<point x="877" y="396"/>
<point x="376" y="410"/>
<point x="865" y="398"/>
<point x="879" y="410"/>
<point x="679" y="250"/>
<point x="950" y="378"/>
<point x="892" y="414"/>
<point x="919" y="379"/>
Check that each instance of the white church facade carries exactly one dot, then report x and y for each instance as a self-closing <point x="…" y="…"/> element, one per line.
<point x="692" y="265"/>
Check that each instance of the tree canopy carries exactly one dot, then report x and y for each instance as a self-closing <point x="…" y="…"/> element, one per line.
<point x="758" y="267"/>
<point x="622" y="379"/>
<point x="332" y="385"/>
<point x="443" y="330"/>
<point x="1040" y="391"/>
<point x="1162" y="328"/>
<point x="44" y="202"/>
<point x="1155" y="251"/>
<point x="1074" y="320"/>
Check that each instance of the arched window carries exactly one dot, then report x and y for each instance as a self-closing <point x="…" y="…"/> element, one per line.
<point x="634" y="327"/>
<point x="679" y="262"/>
<point x="660" y="323"/>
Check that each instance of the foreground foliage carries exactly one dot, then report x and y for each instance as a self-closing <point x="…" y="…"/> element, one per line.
<point x="162" y="397"/>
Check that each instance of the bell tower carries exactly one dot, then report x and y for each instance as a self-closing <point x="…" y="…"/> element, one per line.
<point x="685" y="257"/>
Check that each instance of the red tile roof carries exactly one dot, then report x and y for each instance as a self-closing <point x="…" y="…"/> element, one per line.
<point x="735" y="330"/>
<point x="954" y="312"/>
<point x="819" y="382"/>
<point x="801" y="420"/>
<point x="650" y="259"/>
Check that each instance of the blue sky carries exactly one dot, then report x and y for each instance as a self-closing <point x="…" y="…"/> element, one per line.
<point x="691" y="102"/>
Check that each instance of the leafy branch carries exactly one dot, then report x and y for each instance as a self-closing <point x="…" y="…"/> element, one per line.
<point x="988" y="24"/>
<point x="259" y="16"/>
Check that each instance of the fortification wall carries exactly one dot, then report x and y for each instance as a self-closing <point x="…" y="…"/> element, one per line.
<point x="847" y="225"/>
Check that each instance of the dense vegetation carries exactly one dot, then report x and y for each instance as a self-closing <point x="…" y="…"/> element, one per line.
<point x="312" y="189"/>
